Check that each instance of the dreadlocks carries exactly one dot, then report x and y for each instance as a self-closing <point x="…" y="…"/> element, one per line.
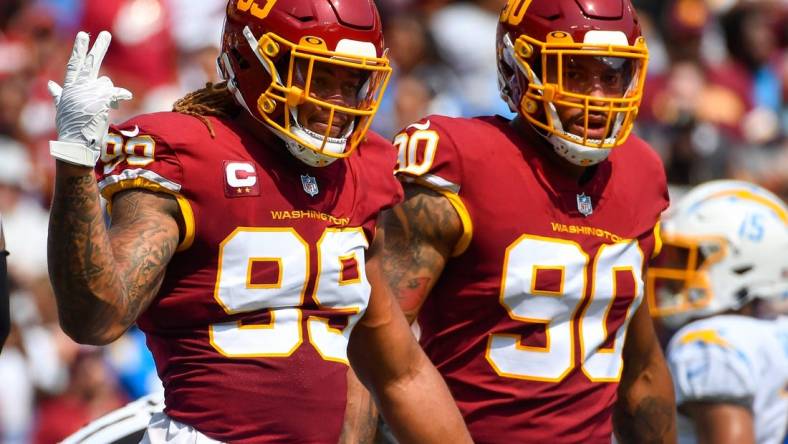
<point x="213" y="100"/>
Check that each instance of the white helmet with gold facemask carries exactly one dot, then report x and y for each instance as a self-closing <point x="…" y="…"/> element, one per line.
<point x="724" y="244"/>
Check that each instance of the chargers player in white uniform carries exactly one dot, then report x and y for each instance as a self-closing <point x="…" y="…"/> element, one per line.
<point x="724" y="261"/>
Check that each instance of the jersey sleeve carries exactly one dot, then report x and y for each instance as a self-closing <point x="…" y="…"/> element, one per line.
<point x="428" y="156"/>
<point x="662" y="205"/>
<point x="706" y="367"/>
<point x="381" y="189"/>
<point x="136" y="156"/>
<point x="648" y="172"/>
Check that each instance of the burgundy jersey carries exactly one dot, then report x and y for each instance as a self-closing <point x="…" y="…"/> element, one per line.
<point x="250" y="327"/>
<point x="527" y="321"/>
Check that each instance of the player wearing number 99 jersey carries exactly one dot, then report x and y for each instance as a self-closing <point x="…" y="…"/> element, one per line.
<point x="241" y="231"/>
<point x="269" y="271"/>
<point x="521" y="245"/>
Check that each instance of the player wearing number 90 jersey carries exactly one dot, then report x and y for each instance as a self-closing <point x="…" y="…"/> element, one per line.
<point x="528" y="319"/>
<point x="521" y="245"/>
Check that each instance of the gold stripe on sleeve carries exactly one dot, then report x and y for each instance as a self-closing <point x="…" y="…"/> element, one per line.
<point x="141" y="183"/>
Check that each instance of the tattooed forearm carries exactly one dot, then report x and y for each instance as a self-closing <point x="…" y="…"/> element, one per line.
<point x="78" y="248"/>
<point x="419" y="236"/>
<point x="651" y="422"/>
<point x="103" y="277"/>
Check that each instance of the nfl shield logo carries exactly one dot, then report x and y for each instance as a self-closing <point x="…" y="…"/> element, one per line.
<point x="310" y="185"/>
<point x="584" y="205"/>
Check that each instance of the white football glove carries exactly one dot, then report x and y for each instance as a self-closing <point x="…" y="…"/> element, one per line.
<point x="82" y="104"/>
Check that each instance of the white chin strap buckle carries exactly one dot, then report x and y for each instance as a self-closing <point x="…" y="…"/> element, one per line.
<point x="333" y="145"/>
<point x="308" y="156"/>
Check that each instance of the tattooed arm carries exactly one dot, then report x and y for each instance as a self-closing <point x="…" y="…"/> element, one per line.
<point x="419" y="235"/>
<point x="103" y="277"/>
<point x="409" y="391"/>
<point x="412" y="243"/>
<point x="646" y="408"/>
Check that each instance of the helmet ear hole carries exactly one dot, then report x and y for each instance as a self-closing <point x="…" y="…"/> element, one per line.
<point x="743" y="270"/>
<point x="507" y="70"/>
<point x="242" y="63"/>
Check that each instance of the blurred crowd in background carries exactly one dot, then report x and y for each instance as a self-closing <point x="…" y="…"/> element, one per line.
<point x="715" y="107"/>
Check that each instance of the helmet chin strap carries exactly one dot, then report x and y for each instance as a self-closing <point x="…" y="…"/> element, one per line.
<point x="334" y="145"/>
<point x="573" y="150"/>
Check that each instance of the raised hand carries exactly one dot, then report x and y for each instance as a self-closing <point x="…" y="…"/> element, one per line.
<point x="82" y="104"/>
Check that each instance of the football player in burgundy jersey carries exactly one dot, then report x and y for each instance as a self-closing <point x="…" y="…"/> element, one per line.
<point x="239" y="234"/>
<point x="521" y="245"/>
